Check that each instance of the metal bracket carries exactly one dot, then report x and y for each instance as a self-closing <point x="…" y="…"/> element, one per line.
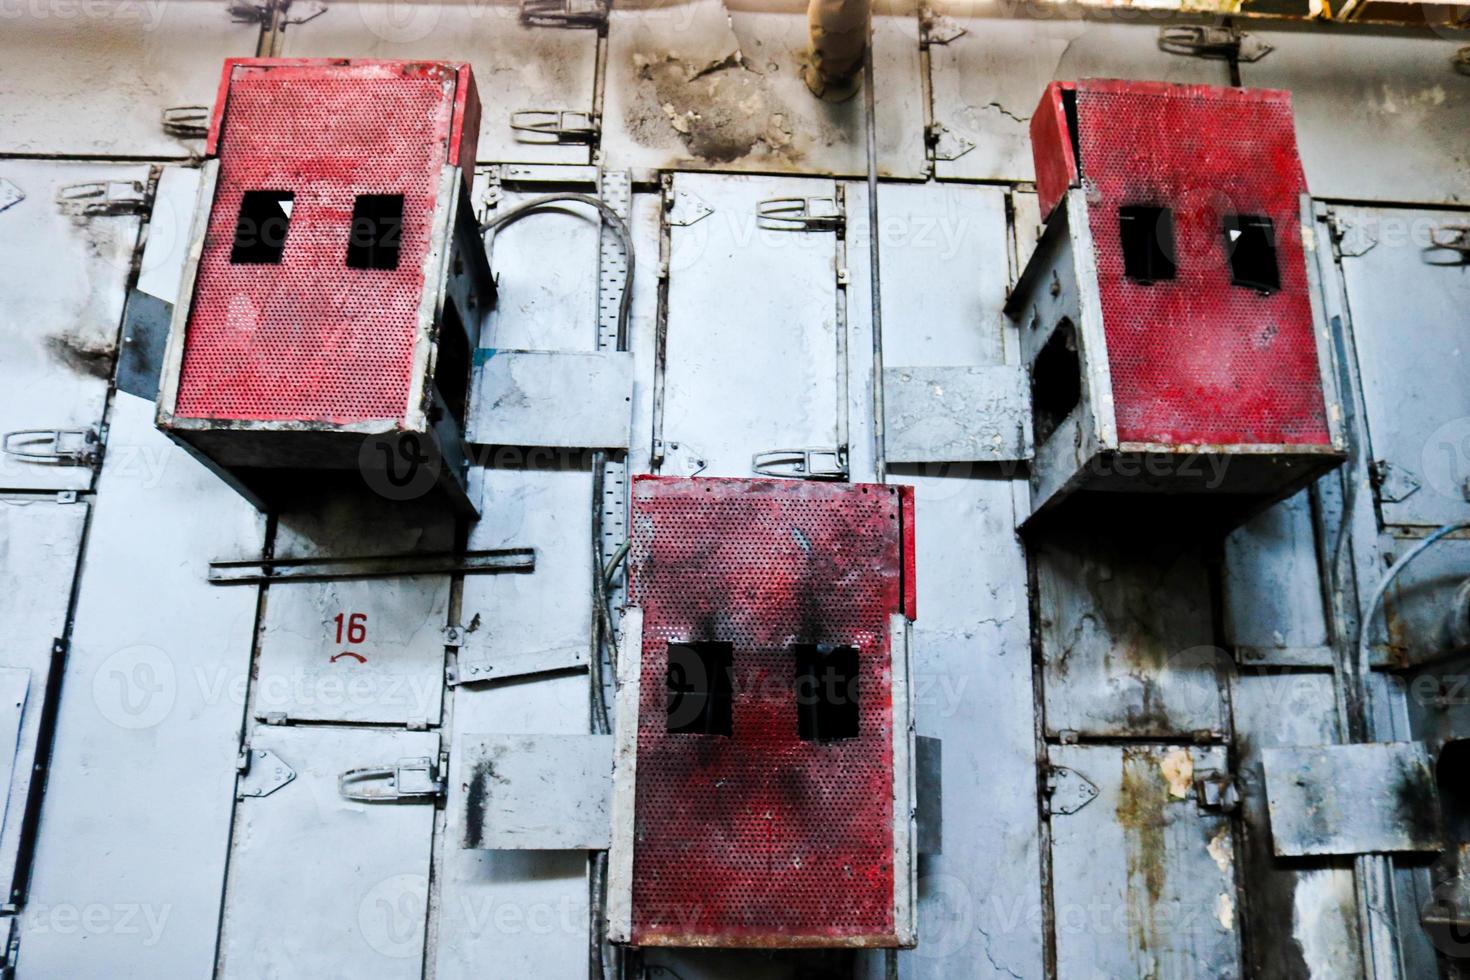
<point x="256" y="571"/>
<point x="1393" y="483"/>
<point x="800" y="214"/>
<point x="10" y="195"/>
<point x="301" y="11"/>
<point x="57" y="447"/>
<point x="1067" y="791"/>
<point x="262" y="772"/>
<point x="812" y="463"/>
<point x="944" y="144"/>
<point x="247" y="12"/>
<point x="554" y="126"/>
<point x="564" y="13"/>
<point x="186" y="122"/>
<point x="103" y="198"/>
<point x="686" y="209"/>
<point x="454" y="636"/>
<point x="680" y="459"/>
<point x="1216" y="792"/>
<point x="1449" y="238"/>
<point x="408" y="779"/>
<point x="1208" y="41"/>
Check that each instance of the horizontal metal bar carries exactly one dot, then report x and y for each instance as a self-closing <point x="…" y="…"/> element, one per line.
<point x="374" y="566"/>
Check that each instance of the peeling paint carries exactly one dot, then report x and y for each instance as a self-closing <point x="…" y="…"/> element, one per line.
<point x="721" y="109"/>
<point x="1219" y="848"/>
<point x="1225" y="911"/>
<point x="1178" y="770"/>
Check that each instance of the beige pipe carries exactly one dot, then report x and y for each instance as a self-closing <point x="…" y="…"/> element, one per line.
<point x="839" y="35"/>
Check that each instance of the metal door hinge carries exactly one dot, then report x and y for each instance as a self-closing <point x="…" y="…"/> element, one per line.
<point x="679" y="458"/>
<point x="10" y="195"/>
<point x="943" y="144"/>
<point x="186" y="122"/>
<point x="800" y="214"/>
<point x="1449" y="238"/>
<point x="1216" y="792"/>
<point x="1208" y="41"/>
<point x="103" y="198"/>
<point x="554" y="126"/>
<point x="564" y="13"/>
<point x="685" y="209"/>
<point x="1067" y="791"/>
<point x="1393" y="483"/>
<point x="56" y="447"/>
<point x="813" y="463"/>
<point x="261" y="773"/>
<point x="408" y="779"/>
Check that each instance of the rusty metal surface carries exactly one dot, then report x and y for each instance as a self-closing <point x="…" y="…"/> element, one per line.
<point x="741" y="839"/>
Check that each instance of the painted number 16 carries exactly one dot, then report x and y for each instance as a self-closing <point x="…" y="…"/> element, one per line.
<point x="356" y="627"/>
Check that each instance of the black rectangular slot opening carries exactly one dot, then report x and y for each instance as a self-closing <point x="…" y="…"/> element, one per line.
<point x="826" y="692"/>
<point x="452" y="367"/>
<point x="1069" y="110"/>
<point x="260" y="227"/>
<point x="377" y="232"/>
<point x="700" y="685"/>
<point x="1056" y="380"/>
<point x="1148" y="242"/>
<point x="1250" y="241"/>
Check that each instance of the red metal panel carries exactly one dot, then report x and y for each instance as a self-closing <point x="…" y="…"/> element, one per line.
<point x="1196" y="359"/>
<point x="1051" y="148"/>
<point x="310" y="339"/>
<point x="761" y="838"/>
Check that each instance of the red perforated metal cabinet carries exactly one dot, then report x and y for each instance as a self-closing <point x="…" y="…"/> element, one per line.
<point x="336" y="281"/>
<point x="764" y="777"/>
<point x="1169" y="314"/>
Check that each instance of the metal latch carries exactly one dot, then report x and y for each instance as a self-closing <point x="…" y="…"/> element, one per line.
<point x="943" y="144"/>
<point x="58" y="447"/>
<point x="1449" y="238"/>
<point x="1067" y="791"/>
<point x="564" y="13"/>
<point x="262" y="772"/>
<point x="186" y="122"/>
<point x="103" y="198"/>
<point x="1209" y="41"/>
<point x="814" y="463"/>
<point x="1215" y="791"/>
<point x="409" y="779"/>
<point x="554" y="126"/>
<point x="799" y="214"/>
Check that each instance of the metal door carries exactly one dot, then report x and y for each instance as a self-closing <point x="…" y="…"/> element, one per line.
<point x="40" y="539"/>
<point x="1408" y="302"/>
<point x="1143" y="878"/>
<point x="320" y="885"/>
<point x="62" y="287"/>
<point x="751" y="362"/>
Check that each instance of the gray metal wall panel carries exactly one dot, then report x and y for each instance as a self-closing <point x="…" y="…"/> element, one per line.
<point x="1387" y="123"/>
<point x="39" y="544"/>
<point x="92" y="79"/>
<point x="1273" y="609"/>
<point x="1412" y="332"/>
<point x="1144" y="882"/>
<point x="137" y="812"/>
<point x="62" y="287"/>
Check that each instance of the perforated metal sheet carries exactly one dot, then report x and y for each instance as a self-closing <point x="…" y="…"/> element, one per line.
<point x="1197" y="359"/>
<point x="310" y="339"/>
<point x="760" y="838"/>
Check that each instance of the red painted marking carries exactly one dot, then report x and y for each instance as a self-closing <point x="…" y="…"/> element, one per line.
<point x="1051" y="142"/>
<point x="348" y="653"/>
<point x="761" y="838"/>
<point x="310" y="339"/>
